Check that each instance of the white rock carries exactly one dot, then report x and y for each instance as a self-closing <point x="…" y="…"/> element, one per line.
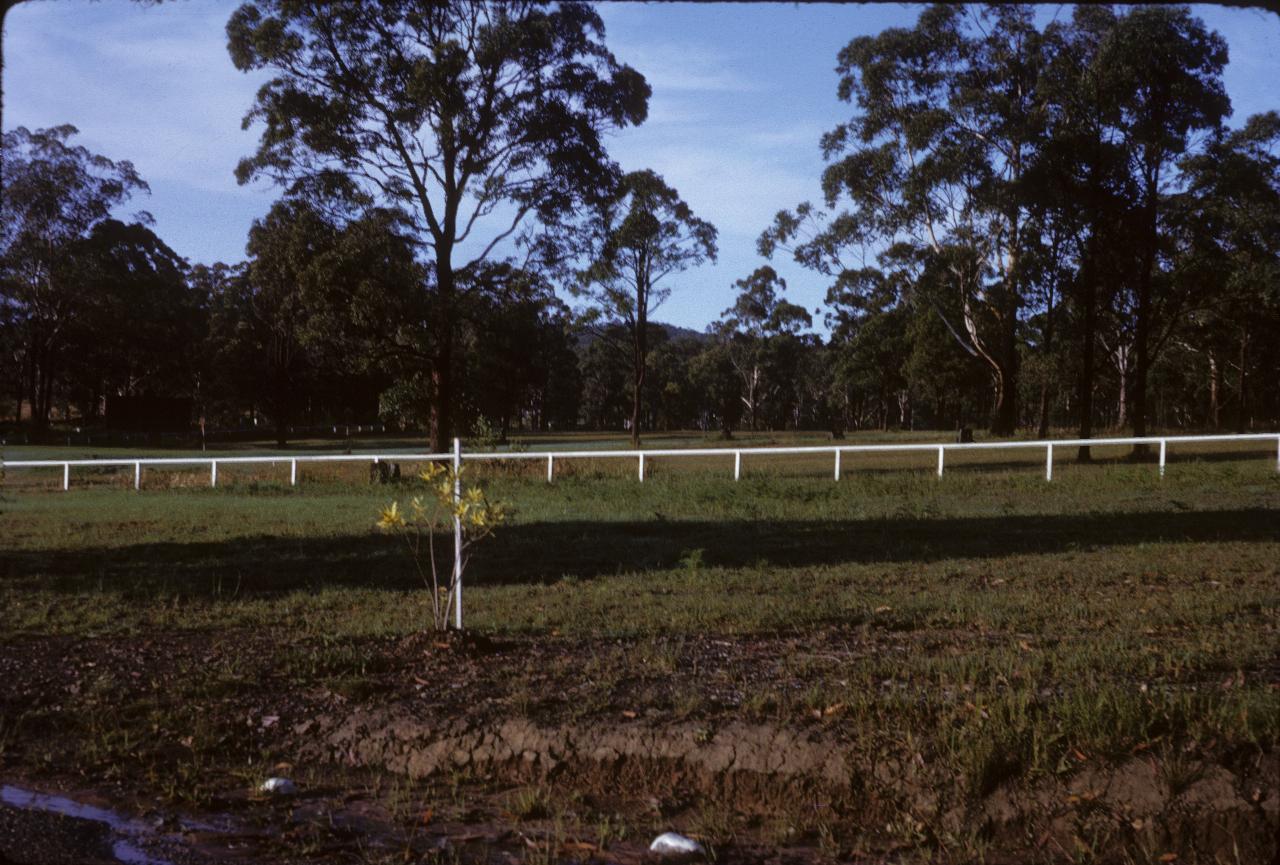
<point x="279" y="787"/>
<point x="674" y="844"/>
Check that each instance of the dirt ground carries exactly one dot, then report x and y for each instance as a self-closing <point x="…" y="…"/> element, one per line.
<point x="430" y="755"/>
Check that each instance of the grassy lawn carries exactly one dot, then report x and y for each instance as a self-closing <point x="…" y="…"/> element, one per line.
<point x="1002" y="629"/>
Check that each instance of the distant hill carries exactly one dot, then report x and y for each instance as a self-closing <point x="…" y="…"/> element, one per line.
<point x="675" y="331"/>
<point x="657" y="331"/>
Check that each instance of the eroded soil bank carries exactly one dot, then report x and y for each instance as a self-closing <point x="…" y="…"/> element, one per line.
<point x="763" y="771"/>
<point x="553" y="749"/>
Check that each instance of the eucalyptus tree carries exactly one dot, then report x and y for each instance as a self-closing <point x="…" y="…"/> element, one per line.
<point x="520" y="361"/>
<point x="367" y="315"/>
<point x="754" y="331"/>
<point x="1083" y="188"/>
<point x="606" y="377"/>
<point x="869" y="327"/>
<point x="1162" y="74"/>
<point x="55" y="195"/>
<point x="715" y="378"/>
<point x="948" y="119"/>
<point x="284" y="248"/>
<point x="1225" y="228"/>
<point x="631" y="243"/>
<point x="671" y="396"/>
<point x="476" y="118"/>
<point x="139" y="319"/>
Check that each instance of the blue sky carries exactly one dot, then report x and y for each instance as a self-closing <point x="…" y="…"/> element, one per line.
<point x="741" y="94"/>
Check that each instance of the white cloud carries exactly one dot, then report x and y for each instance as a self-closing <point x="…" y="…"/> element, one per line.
<point x="684" y="66"/>
<point x="150" y="84"/>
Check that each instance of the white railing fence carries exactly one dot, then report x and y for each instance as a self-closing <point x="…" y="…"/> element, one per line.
<point x="457" y="457"/>
<point x="550" y="457"/>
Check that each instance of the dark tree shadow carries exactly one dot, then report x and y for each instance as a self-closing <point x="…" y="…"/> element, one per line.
<point x="539" y="552"/>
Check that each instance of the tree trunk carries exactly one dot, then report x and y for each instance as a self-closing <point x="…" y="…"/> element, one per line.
<point x="1121" y="358"/>
<point x="1215" y="392"/>
<point x="1142" y="312"/>
<point x="1141" y="367"/>
<point x="442" y="370"/>
<point x="638" y="363"/>
<point x="22" y="387"/>
<point x="1089" y="303"/>
<point x="1004" y="414"/>
<point x="43" y="390"/>
<point x="280" y="397"/>
<point x="46" y="398"/>
<point x="1003" y="363"/>
<point x="1043" y="427"/>
<point x="1240" y="402"/>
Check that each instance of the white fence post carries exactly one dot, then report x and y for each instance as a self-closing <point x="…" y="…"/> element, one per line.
<point x="1048" y="463"/>
<point x="293" y="473"/>
<point x="641" y="469"/>
<point x="1162" y="447"/>
<point x="457" y="533"/>
<point x="551" y="467"/>
<point x="213" y="473"/>
<point x="137" y="476"/>
<point x="66" y="476"/>
<point x="941" y="456"/>
<point x="737" y="464"/>
<point x="837" y="463"/>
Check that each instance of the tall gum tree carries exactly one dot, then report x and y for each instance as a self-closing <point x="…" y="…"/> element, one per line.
<point x="1226" y="234"/>
<point x="630" y="244"/>
<point x="475" y="117"/>
<point x="55" y="194"/>
<point x="1082" y="186"/>
<point x="1163" y="74"/>
<point x="948" y="117"/>
<point x="759" y="315"/>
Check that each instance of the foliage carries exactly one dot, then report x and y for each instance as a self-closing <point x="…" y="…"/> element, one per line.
<point x="1226" y="230"/>
<point x="55" y="195"/>
<point x="520" y="365"/>
<point x="715" y="377"/>
<point x="136" y="314"/>
<point x="632" y="241"/>
<point x="447" y="504"/>
<point x="468" y="116"/>
<point x="760" y="333"/>
<point x="932" y="162"/>
<point x="1042" y="227"/>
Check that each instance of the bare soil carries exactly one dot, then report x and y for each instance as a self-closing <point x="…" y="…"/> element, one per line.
<point x="561" y="749"/>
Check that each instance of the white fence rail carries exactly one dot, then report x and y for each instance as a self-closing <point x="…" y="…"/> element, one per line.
<point x="550" y="457"/>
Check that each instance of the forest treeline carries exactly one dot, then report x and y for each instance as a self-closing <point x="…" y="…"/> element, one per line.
<point x="1025" y="227"/>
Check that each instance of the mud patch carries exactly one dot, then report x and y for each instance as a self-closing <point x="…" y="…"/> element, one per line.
<point x="747" y="766"/>
<point x="755" y="769"/>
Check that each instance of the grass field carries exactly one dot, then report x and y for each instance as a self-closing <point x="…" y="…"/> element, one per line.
<point x="962" y="642"/>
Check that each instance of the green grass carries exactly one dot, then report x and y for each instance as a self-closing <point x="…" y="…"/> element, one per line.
<point x="994" y="623"/>
<point x="696" y="551"/>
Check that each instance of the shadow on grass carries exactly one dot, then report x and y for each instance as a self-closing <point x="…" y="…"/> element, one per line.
<point x="539" y="552"/>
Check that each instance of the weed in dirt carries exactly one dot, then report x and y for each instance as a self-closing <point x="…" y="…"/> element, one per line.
<point x="530" y="803"/>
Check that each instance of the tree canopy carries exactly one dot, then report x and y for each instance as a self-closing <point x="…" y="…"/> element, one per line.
<point x="633" y="241"/>
<point x="470" y="116"/>
<point x="1040" y="226"/>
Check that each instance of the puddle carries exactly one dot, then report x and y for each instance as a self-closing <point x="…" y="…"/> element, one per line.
<point x="124" y="846"/>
